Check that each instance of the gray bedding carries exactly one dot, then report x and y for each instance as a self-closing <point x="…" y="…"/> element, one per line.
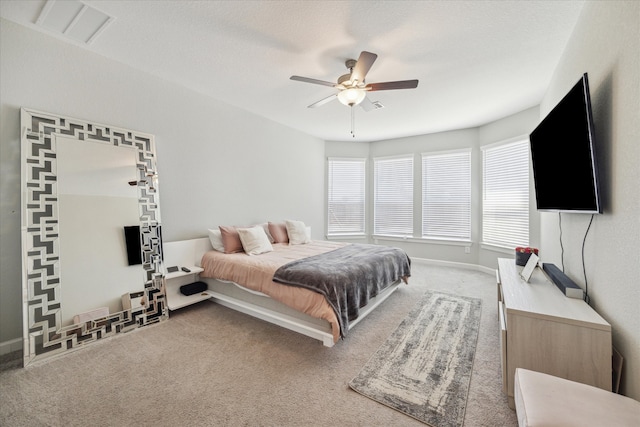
<point x="348" y="277"/>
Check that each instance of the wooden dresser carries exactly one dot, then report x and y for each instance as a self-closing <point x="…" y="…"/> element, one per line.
<point x="543" y="330"/>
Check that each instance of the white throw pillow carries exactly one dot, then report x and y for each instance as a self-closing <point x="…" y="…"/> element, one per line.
<point x="216" y="240"/>
<point x="297" y="232"/>
<point x="254" y="240"/>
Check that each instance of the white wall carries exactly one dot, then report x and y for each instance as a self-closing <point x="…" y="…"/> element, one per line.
<point x="515" y="125"/>
<point x="606" y="44"/>
<point x="217" y="164"/>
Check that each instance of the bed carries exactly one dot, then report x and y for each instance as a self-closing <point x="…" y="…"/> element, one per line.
<point x="295" y="285"/>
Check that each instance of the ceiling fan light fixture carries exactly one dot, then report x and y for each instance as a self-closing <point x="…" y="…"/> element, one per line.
<point x="351" y="96"/>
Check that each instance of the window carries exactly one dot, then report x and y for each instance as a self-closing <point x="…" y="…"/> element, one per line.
<point x="393" y="196"/>
<point x="446" y="195"/>
<point x="505" y="194"/>
<point x="346" y="196"/>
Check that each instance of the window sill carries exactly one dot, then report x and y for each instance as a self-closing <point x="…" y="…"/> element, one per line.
<point x="423" y="240"/>
<point x="346" y="236"/>
<point x="497" y="248"/>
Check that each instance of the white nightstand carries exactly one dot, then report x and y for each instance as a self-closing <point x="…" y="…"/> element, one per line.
<point x="173" y="281"/>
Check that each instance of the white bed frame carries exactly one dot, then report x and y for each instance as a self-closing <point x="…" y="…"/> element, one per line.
<point x="188" y="253"/>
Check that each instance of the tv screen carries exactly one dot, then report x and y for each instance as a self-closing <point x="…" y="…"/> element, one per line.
<point x="134" y="249"/>
<point x="563" y="155"/>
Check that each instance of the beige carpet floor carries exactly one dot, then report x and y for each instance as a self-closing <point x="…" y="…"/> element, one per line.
<point x="210" y="366"/>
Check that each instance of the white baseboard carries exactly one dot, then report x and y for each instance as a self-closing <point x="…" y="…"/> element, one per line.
<point x="455" y="264"/>
<point x="10" y="346"/>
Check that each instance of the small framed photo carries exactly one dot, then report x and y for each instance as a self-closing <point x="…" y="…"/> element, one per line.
<point x="527" y="271"/>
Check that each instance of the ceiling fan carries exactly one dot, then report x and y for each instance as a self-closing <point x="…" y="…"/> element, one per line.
<point x="352" y="88"/>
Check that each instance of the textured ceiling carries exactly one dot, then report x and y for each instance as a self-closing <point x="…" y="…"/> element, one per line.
<point x="477" y="61"/>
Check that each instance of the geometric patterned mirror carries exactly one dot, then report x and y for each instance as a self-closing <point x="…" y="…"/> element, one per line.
<point x="45" y="333"/>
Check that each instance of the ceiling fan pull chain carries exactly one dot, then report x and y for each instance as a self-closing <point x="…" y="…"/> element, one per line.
<point x="353" y="134"/>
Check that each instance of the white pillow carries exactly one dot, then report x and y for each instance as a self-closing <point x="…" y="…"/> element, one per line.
<point x="216" y="240"/>
<point x="297" y="232"/>
<point x="254" y="240"/>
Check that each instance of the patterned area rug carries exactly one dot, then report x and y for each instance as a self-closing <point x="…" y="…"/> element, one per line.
<point x="424" y="367"/>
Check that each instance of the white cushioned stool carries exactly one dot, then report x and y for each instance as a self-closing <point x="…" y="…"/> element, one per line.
<point x="545" y="400"/>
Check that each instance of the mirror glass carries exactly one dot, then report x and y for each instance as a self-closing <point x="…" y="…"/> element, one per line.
<point x="95" y="203"/>
<point x="82" y="184"/>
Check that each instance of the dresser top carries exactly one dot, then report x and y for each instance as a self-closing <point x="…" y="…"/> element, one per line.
<point x="541" y="298"/>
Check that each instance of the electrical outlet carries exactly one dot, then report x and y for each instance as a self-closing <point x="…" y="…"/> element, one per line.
<point x="467" y="249"/>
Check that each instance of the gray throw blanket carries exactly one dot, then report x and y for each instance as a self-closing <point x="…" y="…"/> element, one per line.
<point x="348" y="277"/>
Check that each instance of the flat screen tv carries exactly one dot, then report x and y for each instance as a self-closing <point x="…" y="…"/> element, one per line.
<point x="134" y="246"/>
<point x="563" y="155"/>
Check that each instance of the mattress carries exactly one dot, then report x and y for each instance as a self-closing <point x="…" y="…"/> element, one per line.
<point x="256" y="273"/>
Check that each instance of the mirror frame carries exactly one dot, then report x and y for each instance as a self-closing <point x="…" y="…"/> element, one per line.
<point x="43" y="333"/>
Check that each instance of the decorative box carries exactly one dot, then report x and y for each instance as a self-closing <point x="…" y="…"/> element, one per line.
<point x="523" y="254"/>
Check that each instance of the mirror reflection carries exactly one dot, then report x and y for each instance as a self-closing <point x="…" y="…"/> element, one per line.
<point x="95" y="203"/>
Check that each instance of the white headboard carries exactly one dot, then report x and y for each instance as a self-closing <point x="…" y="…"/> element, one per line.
<point x="185" y="253"/>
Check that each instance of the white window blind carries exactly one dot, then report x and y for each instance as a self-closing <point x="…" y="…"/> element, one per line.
<point x="346" y="196"/>
<point x="393" y="196"/>
<point x="446" y="195"/>
<point x="505" y="207"/>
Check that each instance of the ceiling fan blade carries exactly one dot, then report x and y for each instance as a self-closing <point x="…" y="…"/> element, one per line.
<point x="323" y="101"/>
<point x="401" y="84"/>
<point x="314" y="81"/>
<point x="367" y="105"/>
<point x="365" y="61"/>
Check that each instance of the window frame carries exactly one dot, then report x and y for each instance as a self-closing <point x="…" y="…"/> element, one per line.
<point x="362" y="231"/>
<point x="493" y="234"/>
<point x="461" y="229"/>
<point x="405" y="229"/>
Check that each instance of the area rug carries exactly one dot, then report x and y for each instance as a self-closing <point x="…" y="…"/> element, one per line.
<point x="424" y="367"/>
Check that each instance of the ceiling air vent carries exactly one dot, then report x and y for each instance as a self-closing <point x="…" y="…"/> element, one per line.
<point x="73" y="19"/>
